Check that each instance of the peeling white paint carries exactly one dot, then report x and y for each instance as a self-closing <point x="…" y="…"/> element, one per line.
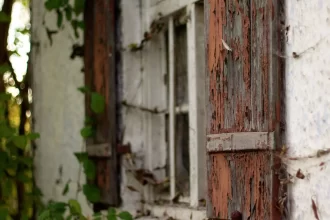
<point x="58" y="107"/>
<point x="308" y="104"/>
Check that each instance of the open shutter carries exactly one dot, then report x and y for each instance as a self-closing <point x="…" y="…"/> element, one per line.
<point x="243" y="77"/>
<point x="100" y="77"/>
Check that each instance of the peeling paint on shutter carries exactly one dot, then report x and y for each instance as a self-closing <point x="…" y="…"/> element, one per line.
<point x="244" y="106"/>
<point x="100" y="32"/>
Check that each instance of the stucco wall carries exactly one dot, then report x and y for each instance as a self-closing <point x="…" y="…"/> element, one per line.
<point x="308" y="104"/>
<point x="58" y="107"/>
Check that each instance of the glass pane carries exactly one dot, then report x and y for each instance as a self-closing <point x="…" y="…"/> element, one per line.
<point x="182" y="153"/>
<point x="181" y="79"/>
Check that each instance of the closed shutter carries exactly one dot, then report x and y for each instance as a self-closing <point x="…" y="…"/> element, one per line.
<point x="243" y="76"/>
<point x="100" y="76"/>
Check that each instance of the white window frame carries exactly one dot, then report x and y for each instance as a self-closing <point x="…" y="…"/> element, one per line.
<point x="196" y="93"/>
<point x="153" y="68"/>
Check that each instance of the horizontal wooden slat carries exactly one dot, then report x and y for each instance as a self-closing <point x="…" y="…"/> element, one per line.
<point x="99" y="150"/>
<point x="240" y="141"/>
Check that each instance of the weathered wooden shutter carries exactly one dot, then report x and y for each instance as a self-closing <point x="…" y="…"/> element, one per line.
<point x="243" y="76"/>
<point x="100" y="77"/>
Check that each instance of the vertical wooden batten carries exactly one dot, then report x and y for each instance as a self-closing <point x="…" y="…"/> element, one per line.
<point x="100" y="76"/>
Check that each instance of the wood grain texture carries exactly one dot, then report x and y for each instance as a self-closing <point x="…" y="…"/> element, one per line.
<point x="243" y="83"/>
<point x="239" y="141"/>
<point x="240" y="181"/>
<point x="243" y="97"/>
<point x="100" y="77"/>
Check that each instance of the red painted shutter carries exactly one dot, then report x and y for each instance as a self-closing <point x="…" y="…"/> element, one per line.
<point x="243" y="86"/>
<point x="100" y="77"/>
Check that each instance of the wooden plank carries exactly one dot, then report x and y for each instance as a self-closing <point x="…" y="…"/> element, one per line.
<point x="240" y="181"/>
<point x="171" y="109"/>
<point x="100" y="77"/>
<point x="240" y="141"/>
<point x="99" y="150"/>
<point x="243" y="93"/>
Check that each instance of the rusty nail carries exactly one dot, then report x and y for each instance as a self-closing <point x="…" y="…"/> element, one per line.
<point x="236" y="215"/>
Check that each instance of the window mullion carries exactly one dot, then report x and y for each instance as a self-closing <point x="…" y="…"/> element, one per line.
<point x="171" y="107"/>
<point x="196" y="97"/>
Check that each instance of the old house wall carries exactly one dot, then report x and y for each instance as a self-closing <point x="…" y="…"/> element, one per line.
<point x="58" y="109"/>
<point x="308" y="105"/>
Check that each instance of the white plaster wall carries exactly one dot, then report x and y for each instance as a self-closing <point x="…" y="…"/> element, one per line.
<point x="308" y="104"/>
<point x="58" y="107"/>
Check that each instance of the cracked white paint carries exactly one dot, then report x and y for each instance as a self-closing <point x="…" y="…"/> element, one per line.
<point x="308" y="104"/>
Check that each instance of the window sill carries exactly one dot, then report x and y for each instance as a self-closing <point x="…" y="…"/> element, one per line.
<point x="177" y="211"/>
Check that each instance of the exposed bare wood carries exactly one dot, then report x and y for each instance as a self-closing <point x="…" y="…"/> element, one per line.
<point x="100" y="77"/>
<point x="99" y="150"/>
<point x="240" y="141"/>
<point x="243" y="112"/>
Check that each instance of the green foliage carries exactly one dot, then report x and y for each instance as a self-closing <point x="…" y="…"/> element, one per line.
<point x="72" y="13"/>
<point x="4" y="67"/>
<point x="86" y="131"/>
<point x="92" y="193"/>
<point x="16" y="163"/>
<point x="15" y="166"/>
<point x="97" y="102"/>
<point x="4" y="18"/>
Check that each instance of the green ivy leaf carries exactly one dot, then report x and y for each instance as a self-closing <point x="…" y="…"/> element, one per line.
<point x="97" y="103"/>
<point x="79" y="6"/>
<point x="4" y="68"/>
<point x="84" y="89"/>
<point x="86" y="132"/>
<point x="4" y="18"/>
<point x="4" y="213"/>
<point x="81" y="156"/>
<point x="81" y="25"/>
<point x="97" y="216"/>
<point x="21" y="176"/>
<point x="20" y="141"/>
<point x="33" y="136"/>
<point x="57" y="207"/>
<point x="112" y="214"/>
<point x="92" y="193"/>
<point x="44" y="215"/>
<point x="66" y="188"/>
<point x="68" y="12"/>
<point x="90" y="169"/>
<point x="28" y="161"/>
<point x="74" y="24"/>
<point x="88" y="121"/>
<point x="7" y="187"/>
<point x="23" y="31"/>
<point x="5" y="96"/>
<point x="74" y="206"/>
<point x="13" y="52"/>
<point x="59" y="18"/>
<point x="3" y="159"/>
<point x="125" y="216"/>
<point x="53" y="4"/>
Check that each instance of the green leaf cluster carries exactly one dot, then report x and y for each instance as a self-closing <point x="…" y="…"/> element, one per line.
<point x="71" y="12"/>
